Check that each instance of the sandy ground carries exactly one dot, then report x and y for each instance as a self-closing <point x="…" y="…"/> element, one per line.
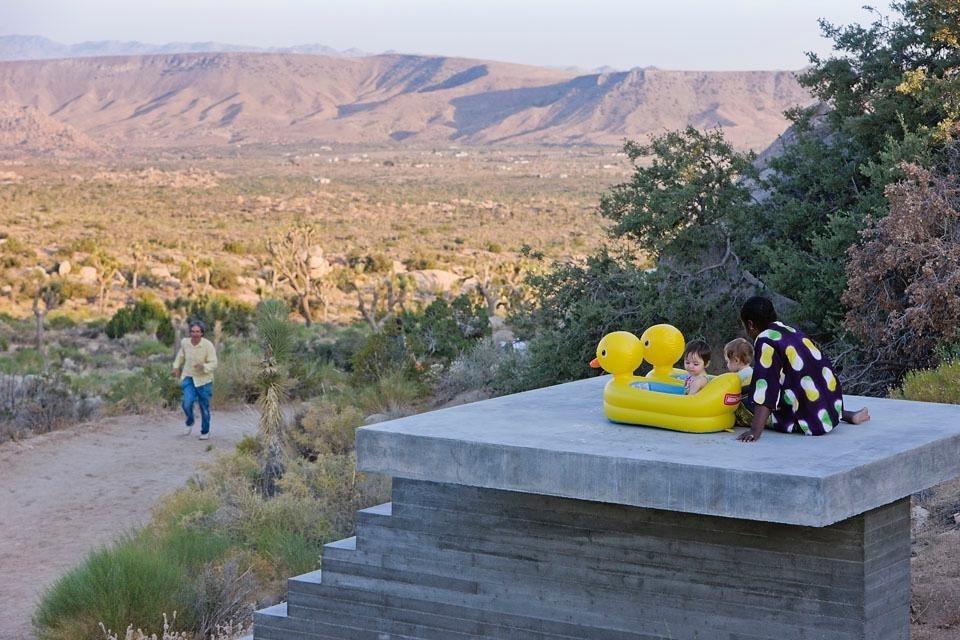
<point x="66" y="493"/>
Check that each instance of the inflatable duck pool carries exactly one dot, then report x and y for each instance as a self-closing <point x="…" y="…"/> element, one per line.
<point x="657" y="399"/>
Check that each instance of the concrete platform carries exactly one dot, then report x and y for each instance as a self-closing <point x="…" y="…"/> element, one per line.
<point x="532" y="517"/>
<point x="557" y="442"/>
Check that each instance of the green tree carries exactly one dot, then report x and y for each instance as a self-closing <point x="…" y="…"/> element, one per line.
<point x="889" y="95"/>
<point x="685" y="206"/>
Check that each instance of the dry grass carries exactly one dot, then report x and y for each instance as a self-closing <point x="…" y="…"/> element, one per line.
<point x="223" y="632"/>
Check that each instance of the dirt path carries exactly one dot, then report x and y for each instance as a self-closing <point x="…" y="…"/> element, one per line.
<point x="66" y="493"/>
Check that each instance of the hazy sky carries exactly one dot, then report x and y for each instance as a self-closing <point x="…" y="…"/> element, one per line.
<point x="671" y="34"/>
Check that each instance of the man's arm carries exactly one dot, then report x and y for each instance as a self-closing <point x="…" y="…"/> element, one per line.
<point x="178" y="362"/>
<point x="210" y="361"/>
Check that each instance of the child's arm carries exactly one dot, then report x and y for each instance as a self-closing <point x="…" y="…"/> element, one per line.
<point x="697" y="383"/>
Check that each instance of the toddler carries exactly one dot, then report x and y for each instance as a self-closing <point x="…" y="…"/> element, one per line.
<point x="738" y="354"/>
<point x="696" y="357"/>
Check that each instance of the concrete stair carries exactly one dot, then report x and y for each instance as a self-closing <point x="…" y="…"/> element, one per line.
<point x="448" y="562"/>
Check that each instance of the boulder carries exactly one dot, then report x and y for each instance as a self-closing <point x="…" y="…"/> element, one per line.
<point x="87" y="275"/>
<point x="160" y="272"/>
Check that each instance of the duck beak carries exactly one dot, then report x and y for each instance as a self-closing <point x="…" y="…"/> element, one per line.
<point x="595" y="363"/>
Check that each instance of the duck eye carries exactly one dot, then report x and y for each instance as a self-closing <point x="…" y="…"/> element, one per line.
<point x="646" y="343"/>
<point x="603" y="353"/>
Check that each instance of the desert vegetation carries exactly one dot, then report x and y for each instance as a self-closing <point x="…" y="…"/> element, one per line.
<point x="350" y="286"/>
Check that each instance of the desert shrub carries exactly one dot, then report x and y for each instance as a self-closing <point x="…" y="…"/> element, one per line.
<point x="140" y="577"/>
<point x="83" y="245"/>
<point x="903" y="288"/>
<point x="941" y="384"/>
<point x="315" y="377"/>
<point x="475" y="368"/>
<point x="345" y="344"/>
<point x="377" y="263"/>
<point x="288" y="530"/>
<point x="444" y="330"/>
<point x="223" y="276"/>
<point x="325" y="427"/>
<point x="61" y="321"/>
<point x="148" y="348"/>
<point x="511" y="374"/>
<point x="26" y="361"/>
<point x="332" y="483"/>
<point x="236" y="375"/>
<point x="420" y="262"/>
<point x="235" y="317"/>
<point x="39" y="404"/>
<point x="145" y="315"/>
<point x="236" y="247"/>
<point x="134" y="582"/>
<point x="76" y="290"/>
<point x="576" y="305"/>
<point x="393" y="394"/>
<point x="143" y="390"/>
<point x="380" y="355"/>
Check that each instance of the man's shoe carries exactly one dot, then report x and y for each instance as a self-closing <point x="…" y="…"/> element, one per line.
<point x="187" y="429"/>
<point x="204" y="436"/>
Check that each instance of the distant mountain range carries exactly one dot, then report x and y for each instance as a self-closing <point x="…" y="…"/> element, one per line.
<point x="39" y="48"/>
<point x="234" y="98"/>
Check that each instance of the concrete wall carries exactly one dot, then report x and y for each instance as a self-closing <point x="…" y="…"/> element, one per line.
<point x="448" y="561"/>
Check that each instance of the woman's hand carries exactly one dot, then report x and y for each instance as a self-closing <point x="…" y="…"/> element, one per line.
<point x="760" y="416"/>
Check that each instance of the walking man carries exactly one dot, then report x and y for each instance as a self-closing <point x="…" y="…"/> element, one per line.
<point x="194" y="366"/>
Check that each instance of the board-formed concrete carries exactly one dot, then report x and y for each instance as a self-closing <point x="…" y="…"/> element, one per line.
<point x="556" y="441"/>
<point x="449" y="562"/>
<point x="532" y="517"/>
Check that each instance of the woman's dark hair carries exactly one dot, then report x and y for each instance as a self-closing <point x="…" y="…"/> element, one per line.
<point x="759" y="311"/>
<point x="197" y="323"/>
<point x="699" y="347"/>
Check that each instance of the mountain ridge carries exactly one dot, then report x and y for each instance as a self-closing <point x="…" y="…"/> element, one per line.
<point x="34" y="47"/>
<point x="223" y="99"/>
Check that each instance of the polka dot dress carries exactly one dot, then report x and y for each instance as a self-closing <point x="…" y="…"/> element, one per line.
<point x="795" y="380"/>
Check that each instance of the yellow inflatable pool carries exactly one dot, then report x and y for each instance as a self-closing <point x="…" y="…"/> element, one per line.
<point x="657" y="399"/>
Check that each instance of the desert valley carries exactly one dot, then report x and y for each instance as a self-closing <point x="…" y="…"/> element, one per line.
<point x="387" y="220"/>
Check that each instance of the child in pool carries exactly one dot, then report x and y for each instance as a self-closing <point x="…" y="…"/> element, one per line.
<point x="696" y="357"/>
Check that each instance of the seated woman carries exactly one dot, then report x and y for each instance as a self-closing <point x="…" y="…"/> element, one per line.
<point x="793" y="381"/>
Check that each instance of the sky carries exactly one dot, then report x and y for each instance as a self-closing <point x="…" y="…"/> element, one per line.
<point x="711" y="35"/>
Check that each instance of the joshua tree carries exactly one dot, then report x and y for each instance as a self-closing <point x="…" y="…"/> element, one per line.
<point x="47" y="295"/>
<point x="107" y="268"/>
<point x="299" y="266"/>
<point x="386" y="298"/>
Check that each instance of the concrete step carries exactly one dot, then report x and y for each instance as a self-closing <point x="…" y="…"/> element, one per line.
<point x="447" y="617"/>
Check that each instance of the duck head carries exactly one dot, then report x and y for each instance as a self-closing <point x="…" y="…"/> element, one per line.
<point x="619" y="353"/>
<point x="663" y="346"/>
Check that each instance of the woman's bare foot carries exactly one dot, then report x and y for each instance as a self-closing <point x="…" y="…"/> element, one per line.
<point x="856" y="417"/>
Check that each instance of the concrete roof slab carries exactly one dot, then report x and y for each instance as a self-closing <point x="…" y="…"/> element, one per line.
<point x="556" y="441"/>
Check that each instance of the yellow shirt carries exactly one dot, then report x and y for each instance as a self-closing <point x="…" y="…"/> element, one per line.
<point x="197" y="362"/>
